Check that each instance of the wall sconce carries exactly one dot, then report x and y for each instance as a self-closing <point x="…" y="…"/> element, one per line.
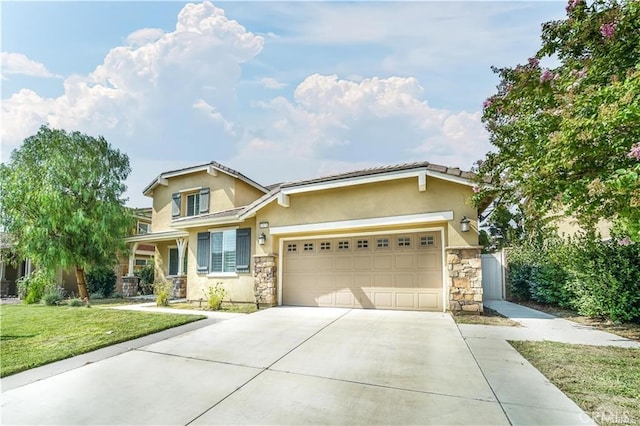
<point x="464" y="224"/>
<point x="262" y="239"/>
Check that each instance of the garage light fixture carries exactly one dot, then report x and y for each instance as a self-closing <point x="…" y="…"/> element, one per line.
<point x="262" y="239"/>
<point x="464" y="224"/>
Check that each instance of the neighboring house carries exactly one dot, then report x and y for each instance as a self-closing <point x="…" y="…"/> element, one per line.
<point x="397" y="237"/>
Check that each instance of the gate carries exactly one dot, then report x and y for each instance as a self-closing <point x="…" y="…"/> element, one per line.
<point x="493" y="275"/>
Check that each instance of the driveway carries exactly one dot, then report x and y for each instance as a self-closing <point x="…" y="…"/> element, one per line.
<point x="278" y="366"/>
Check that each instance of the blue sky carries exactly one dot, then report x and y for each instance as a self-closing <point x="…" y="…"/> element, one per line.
<point x="278" y="90"/>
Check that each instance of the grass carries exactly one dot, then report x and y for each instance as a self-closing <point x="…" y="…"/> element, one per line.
<point x="629" y="330"/>
<point x="34" y="335"/>
<point x="603" y="380"/>
<point x="488" y="317"/>
<point x="239" y="308"/>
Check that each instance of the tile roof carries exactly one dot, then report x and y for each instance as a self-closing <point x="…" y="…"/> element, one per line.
<point x="452" y="171"/>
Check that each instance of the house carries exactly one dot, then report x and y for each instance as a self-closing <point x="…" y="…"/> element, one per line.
<point x="396" y="237"/>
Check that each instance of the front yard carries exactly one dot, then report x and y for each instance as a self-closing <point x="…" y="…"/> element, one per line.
<point x="603" y="380"/>
<point x="34" y="335"/>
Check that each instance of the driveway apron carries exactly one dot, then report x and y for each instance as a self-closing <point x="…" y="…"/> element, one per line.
<point x="278" y="366"/>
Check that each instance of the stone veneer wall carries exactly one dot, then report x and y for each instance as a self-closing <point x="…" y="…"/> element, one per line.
<point x="129" y="286"/>
<point x="265" y="273"/>
<point x="179" y="286"/>
<point x="464" y="265"/>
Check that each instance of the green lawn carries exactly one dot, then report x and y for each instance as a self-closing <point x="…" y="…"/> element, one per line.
<point x="34" y="335"/>
<point x="603" y="380"/>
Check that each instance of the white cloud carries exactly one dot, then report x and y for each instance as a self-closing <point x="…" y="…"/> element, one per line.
<point x="144" y="93"/>
<point x="17" y="63"/>
<point x="271" y="83"/>
<point x="144" y="36"/>
<point x="334" y="125"/>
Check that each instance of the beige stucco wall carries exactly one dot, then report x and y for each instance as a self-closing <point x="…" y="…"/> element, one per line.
<point x="569" y="227"/>
<point x="239" y="288"/>
<point x="391" y="198"/>
<point x="222" y="195"/>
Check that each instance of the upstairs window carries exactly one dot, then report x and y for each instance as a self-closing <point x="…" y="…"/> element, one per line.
<point x="189" y="203"/>
<point x="144" y="228"/>
<point x="193" y="205"/>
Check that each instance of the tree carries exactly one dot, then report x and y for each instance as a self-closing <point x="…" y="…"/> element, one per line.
<point x="61" y="201"/>
<point x="568" y="137"/>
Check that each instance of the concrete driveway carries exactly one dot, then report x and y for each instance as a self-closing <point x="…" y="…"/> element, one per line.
<point x="278" y="366"/>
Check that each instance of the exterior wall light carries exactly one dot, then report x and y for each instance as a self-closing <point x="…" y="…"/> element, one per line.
<point x="262" y="239"/>
<point x="464" y="224"/>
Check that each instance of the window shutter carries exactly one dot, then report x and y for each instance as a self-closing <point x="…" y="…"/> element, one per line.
<point x="243" y="249"/>
<point x="175" y="206"/>
<point x="173" y="261"/>
<point x="204" y="200"/>
<point x="203" y="252"/>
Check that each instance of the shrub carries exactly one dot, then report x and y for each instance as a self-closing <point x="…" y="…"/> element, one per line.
<point x="32" y="288"/>
<point x="607" y="279"/>
<point x="117" y="295"/>
<point x="101" y="279"/>
<point x="76" y="302"/>
<point x="53" y="296"/>
<point x="146" y="278"/>
<point x="96" y="295"/>
<point x="162" y="291"/>
<point x="215" y="296"/>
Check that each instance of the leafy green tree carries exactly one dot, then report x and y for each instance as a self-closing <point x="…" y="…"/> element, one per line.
<point x="568" y="137"/>
<point x="61" y="201"/>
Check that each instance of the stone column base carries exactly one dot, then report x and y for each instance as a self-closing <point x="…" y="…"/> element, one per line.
<point x="464" y="265"/>
<point x="180" y="287"/>
<point x="129" y="286"/>
<point x="265" y="272"/>
<point x="4" y="288"/>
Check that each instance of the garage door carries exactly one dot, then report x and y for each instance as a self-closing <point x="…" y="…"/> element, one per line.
<point x="396" y="271"/>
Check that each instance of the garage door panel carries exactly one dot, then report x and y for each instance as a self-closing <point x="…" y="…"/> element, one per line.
<point x="429" y="301"/>
<point x="362" y="262"/>
<point x="429" y="260"/>
<point x="383" y="279"/>
<point x="430" y="279"/>
<point x="406" y="280"/>
<point x="383" y="262"/>
<point x="405" y="261"/>
<point x="397" y="271"/>
<point x="343" y="262"/>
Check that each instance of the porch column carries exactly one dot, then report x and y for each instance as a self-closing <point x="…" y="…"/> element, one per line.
<point x="2" y="270"/>
<point x="28" y="267"/>
<point x="132" y="258"/>
<point x="182" y="244"/>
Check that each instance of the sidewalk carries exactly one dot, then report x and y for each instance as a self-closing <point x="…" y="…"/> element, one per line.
<point x="525" y="394"/>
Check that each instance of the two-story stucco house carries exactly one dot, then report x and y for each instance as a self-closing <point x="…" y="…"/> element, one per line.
<point x="397" y="237"/>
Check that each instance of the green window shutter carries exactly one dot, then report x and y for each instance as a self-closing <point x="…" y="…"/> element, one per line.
<point x="173" y="261"/>
<point x="204" y="200"/>
<point x="243" y="249"/>
<point x="204" y="247"/>
<point x="175" y="206"/>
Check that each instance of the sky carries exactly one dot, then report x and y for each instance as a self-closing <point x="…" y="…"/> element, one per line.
<point x="280" y="91"/>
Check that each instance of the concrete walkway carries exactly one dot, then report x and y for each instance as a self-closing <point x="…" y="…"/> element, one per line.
<point x="524" y="393"/>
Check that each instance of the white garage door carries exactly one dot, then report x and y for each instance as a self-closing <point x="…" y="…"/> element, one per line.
<point x="396" y="271"/>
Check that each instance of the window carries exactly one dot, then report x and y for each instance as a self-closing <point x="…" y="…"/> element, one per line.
<point x="427" y="240"/>
<point x="404" y="241"/>
<point x="308" y="247"/>
<point x="325" y="246"/>
<point x="144" y="228"/>
<point x="193" y="205"/>
<point x="362" y="244"/>
<point x="224" y="252"/>
<point x="343" y="245"/>
<point x="173" y="261"/>
<point x="292" y="247"/>
<point x="142" y="262"/>
<point x="382" y="243"/>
